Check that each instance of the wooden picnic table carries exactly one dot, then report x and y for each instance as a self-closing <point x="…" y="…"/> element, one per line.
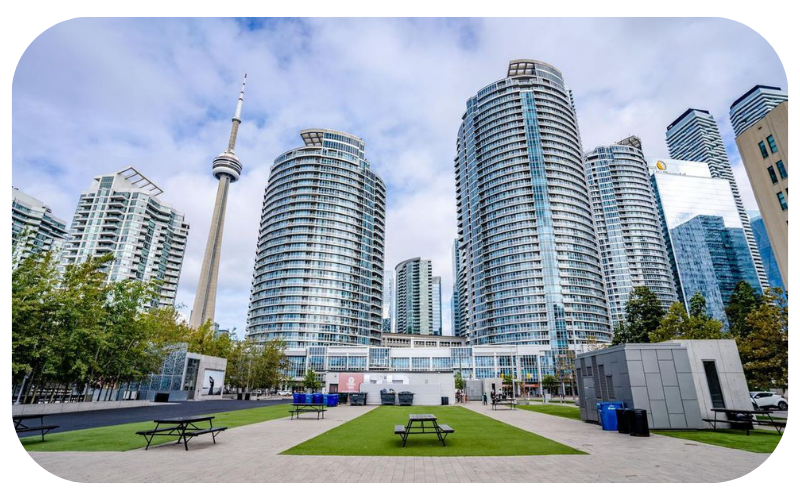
<point x="441" y="431"/>
<point x="22" y="428"/>
<point x="184" y="427"/>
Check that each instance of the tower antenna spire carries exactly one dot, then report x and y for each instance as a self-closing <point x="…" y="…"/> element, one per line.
<point x="237" y="118"/>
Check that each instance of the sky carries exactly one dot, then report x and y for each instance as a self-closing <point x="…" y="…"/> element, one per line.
<point x="92" y="96"/>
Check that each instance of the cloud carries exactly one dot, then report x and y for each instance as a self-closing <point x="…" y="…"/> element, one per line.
<point x="91" y="96"/>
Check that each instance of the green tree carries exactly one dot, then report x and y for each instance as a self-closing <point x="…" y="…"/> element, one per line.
<point x="549" y="383"/>
<point x="765" y="350"/>
<point x="643" y="313"/>
<point x="310" y="381"/>
<point x="459" y="381"/>
<point x="679" y="325"/>
<point x="743" y="301"/>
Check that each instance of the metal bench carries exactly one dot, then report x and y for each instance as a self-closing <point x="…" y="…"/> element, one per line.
<point x="41" y="428"/>
<point x="213" y="431"/>
<point x="163" y="431"/>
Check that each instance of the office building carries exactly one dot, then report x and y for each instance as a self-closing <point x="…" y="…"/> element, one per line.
<point x="414" y="297"/>
<point x="34" y="228"/>
<point x="764" y="246"/>
<point x="436" y="293"/>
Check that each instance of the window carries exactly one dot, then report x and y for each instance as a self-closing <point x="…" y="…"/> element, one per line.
<point x="782" y="201"/>
<point x="714" y="387"/>
<point x="772" y="176"/>
<point x="772" y="146"/>
<point x="781" y="169"/>
<point x="763" y="149"/>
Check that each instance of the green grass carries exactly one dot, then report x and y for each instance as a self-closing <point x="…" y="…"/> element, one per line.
<point x="372" y="434"/>
<point x="759" y="441"/>
<point x="565" y="411"/>
<point x="123" y="437"/>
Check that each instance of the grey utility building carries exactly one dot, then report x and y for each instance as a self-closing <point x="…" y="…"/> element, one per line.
<point x="677" y="382"/>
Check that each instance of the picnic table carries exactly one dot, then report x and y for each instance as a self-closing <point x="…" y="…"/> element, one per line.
<point x="300" y="408"/>
<point x="510" y="403"/>
<point x="22" y="428"/>
<point x="184" y="427"/>
<point x="749" y="418"/>
<point x="441" y="431"/>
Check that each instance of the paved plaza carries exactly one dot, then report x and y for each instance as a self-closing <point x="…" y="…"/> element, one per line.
<point x="252" y="454"/>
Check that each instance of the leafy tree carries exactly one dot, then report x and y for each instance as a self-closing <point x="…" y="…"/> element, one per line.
<point x="643" y="313"/>
<point x="697" y="305"/>
<point x="743" y="301"/>
<point x="765" y="350"/>
<point x="459" y="381"/>
<point x="549" y="383"/>
<point x="310" y="381"/>
<point x="679" y="325"/>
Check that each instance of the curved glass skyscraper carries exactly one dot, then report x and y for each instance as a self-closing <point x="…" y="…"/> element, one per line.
<point x="530" y="269"/>
<point x="628" y="226"/>
<point x="318" y="277"/>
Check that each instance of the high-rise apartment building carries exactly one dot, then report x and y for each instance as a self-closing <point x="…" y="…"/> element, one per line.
<point x="531" y="269"/>
<point x="455" y="303"/>
<point x="694" y="136"/>
<point x="436" y="294"/>
<point x="121" y="214"/>
<point x="34" y="228"/>
<point x="388" y="303"/>
<point x="764" y="246"/>
<point x="414" y="297"/>
<point x="628" y="226"/>
<point x="761" y="120"/>
<point x="318" y="277"/>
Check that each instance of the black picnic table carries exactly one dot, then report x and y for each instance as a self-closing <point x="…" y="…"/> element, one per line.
<point x="299" y="408"/>
<point x="748" y="419"/>
<point x="511" y="403"/>
<point x="184" y="427"/>
<point x="441" y="431"/>
<point x="22" y="428"/>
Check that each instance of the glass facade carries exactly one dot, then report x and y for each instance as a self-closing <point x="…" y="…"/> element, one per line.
<point x="436" y="294"/>
<point x="764" y="246"/>
<point x="628" y="225"/>
<point x="705" y="239"/>
<point x="318" y="276"/>
<point x="414" y="299"/>
<point x="529" y="270"/>
<point x="34" y="228"/>
<point x="694" y="136"/>
<point x="120" y="214"/>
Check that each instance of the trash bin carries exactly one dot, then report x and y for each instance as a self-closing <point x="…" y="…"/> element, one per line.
<point x="606" y="411"/>
<point x="239" y="396"/>
<point x="316" y="398"/>
<point x="405" y="398"/>
<point x="445" y="400"/>
<point x="161" y="397"/>
<point x="343" y="397"/>
<point x="296" y="398"/>
<point x="638" y="423"/>
<point x="623" y="423"/>
<point x="387" y="397"/>
<point x="358" y="399"/>
<point x="247" y="397"/>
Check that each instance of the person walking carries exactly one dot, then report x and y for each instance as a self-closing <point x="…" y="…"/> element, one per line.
<point x="484" y="399"/>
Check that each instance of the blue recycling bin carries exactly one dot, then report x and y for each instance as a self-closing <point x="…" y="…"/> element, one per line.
<point x="296" y="398"/>
<point x="316" y="398"/>
<point x="607" y="414"/>
<point x="329" y="400"/>
<point x="307" y="399"/>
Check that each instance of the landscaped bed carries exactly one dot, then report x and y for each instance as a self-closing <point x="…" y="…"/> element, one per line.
<point x="566" y="411"/>
<point x="372" y="434"/>
<point x="759" y="441"/>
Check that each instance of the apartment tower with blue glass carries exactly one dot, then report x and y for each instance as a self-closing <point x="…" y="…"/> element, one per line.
<point x="318" y="276"/>
<point x="628" y="226"/>
<point x="530" y="268"/>
<point x="694" y="136"/>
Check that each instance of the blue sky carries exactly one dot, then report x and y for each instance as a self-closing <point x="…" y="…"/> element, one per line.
<point x="91" y="96"/>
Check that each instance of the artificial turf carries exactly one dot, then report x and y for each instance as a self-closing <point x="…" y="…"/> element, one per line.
<point x="123" y="437"/>
<point x="372" y="434"/>
<point x="759" y="441"/>
<point x="559" y="410"/>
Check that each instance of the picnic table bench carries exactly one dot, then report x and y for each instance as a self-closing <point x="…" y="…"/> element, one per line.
<point x="300" y="408"/>
<point x="184" y="427"/>
<point x="511" y="403"/>
<point x="441" y="431"/>
<point x="747" y="421"/>
<point x="22" y="428"/>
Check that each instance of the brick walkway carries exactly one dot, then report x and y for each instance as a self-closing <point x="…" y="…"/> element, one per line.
<point x="251" y="454"/>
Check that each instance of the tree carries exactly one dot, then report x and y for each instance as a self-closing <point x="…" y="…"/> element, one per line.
<point x="743" y="301"/>
<point x="459" y="381"/>
<point x="565" y="371"/>
<point x="679" y="325"/>
<point x="549" y="383"/>
<point x="643" y="313"/>
<point x="765" y="350"/>
<point x="310" y="381"/>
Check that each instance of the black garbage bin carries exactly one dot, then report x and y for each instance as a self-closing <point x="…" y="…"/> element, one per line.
<point x="445" y="400"/>
<point x="387" y="397"/>
<point x="343" y="397"/>
<point x="623" y="424"/>
<point x="405" y="398"/>
<point x="247" y="396"/>
<point x="638" y="423"/>
<point x="162" y="397"/>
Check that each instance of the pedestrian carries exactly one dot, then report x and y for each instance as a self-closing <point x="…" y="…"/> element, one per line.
<point x="484" y="399"/>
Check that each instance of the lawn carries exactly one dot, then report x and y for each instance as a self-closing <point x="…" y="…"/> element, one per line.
<point x="566" y="411"/>
<point x="759" y="441"/>
<point x="372" y="434"/>
<point x="123" y="437"/>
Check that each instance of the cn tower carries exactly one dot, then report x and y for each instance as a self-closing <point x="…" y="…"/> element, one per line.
<point x="227" y="168"/>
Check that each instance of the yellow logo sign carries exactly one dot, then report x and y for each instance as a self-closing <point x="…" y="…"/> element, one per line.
<point x="661" y="165"/>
